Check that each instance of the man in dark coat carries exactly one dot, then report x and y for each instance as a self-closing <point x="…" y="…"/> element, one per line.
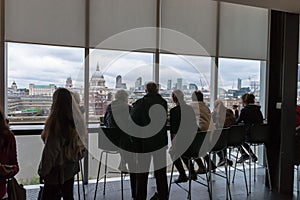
<point x="148" y="146"/>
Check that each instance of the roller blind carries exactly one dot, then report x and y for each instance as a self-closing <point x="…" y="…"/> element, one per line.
<point x="58" y="22"/>
<point x="110" y="17"/>
<point x="243" y="31"/>
<point x="194" y="18"/>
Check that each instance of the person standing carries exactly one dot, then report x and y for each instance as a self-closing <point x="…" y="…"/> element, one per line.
<point x="63" y="147"/>
<point x="147" y="146"/>
<point x="8" y="155"/>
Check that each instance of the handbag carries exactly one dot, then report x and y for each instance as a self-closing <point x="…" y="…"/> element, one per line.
<point x="15" y="191"/>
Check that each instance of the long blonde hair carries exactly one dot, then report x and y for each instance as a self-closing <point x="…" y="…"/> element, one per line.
<point x="66" y="122"/>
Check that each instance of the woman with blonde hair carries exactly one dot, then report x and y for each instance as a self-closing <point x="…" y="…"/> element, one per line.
<point x="63" y="135"/>
<point x="8" y="155"/>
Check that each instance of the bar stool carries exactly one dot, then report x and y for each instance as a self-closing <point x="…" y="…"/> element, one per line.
<point x="78" y="181"/>
<point x="235" y="139"/>
<point x="259" y="135"/>
<point x="220" y="146"/>
<point x="191" y="154"/>
<point x="111" y="135"/>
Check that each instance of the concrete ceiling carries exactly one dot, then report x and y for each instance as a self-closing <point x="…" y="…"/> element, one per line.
<point x="282" y="5"/>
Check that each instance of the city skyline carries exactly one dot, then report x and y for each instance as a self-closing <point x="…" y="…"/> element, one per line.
<point x="51" y="64"/>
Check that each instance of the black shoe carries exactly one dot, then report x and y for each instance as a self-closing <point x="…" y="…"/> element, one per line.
<point x="254" y="158"/>
<point x="243" y="158"/>
<point x="181" y="179"/>
<point x="201" y="170"/>
<point x="213" y="166"/>
<point x="194" y="176"/>
<point x="223" y="161"/>
<point x="155" y="196"/>
<point x="229" y="162"/>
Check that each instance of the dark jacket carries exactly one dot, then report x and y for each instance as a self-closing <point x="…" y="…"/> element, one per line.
<point x="250" y="114"/>
<point x="175" y="117"/>
<point x="123" y="140"/>
<point x="140" y="115"/>
<point x="8" y="156"/>
<point x="119" y="106"/>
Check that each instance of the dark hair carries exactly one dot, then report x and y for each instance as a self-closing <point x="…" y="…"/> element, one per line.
<point x="250" y="98"/>
<point x="4" y="130"/>
<point x="3" y="122"/>
<point x="151" y="87"/>
<point x="244" y="97"/>
<point x="197" y="96"/>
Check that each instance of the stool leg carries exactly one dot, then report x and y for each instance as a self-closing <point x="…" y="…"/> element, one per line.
<point x="81" y="170"/>
<point x="227" y="181"/>
<point x="98" y="174"/>
<point x="229" y="157"/>
<point x="78" y="186"/>
<point x="122" y="186"/>
<point x="208" y="185"/>
<point x="297" y="179"/>
<point x="105" y="173"/>
<point x="171" y="180"/>
<point x="249" y="175"/>
<point x="255" y="164"/>
<point x="209" y="172"/>
<point x="245" y="177"/>
<point x="190" y="180"/>
<point x="237" y="155"/>
<point x="267" y="165"/>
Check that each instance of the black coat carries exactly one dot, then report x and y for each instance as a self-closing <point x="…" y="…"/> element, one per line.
<point x="140" y="115"/>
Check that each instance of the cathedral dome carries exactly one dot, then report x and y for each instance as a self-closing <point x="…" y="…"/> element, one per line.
<point x="97" y="73"/>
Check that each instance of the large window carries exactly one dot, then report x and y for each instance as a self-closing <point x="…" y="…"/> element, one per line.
<point x="186" y="73"/>
<point x="114" y="70"/>
<point x="240" y="76"/>
<point x="34" y="73"/>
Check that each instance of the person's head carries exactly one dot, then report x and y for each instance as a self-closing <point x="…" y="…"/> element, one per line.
<point x="250" y="99"/>
<point x="62" y="102"/>
<point x="3" y="122"/>
<point x="218" y="104"/>
<point x="243" y="98"/>
<point x="197" y="96"/>
<point x="76" y="96"/>
<point x="178" y="96"/>
<point x="121" y="95"/>
<point x="4" y="130"/>
<point x="151" y="87"/>
<point x="235" y="107"/>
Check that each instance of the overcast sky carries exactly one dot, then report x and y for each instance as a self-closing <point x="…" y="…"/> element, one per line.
<point x="40" y="64"/>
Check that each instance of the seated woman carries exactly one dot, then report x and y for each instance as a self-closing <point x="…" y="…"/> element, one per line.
<point x="8" y="155"/>
<point x="175" y="119"/>
<point x="223" y="118"/>
<point x="250" y="115"/>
